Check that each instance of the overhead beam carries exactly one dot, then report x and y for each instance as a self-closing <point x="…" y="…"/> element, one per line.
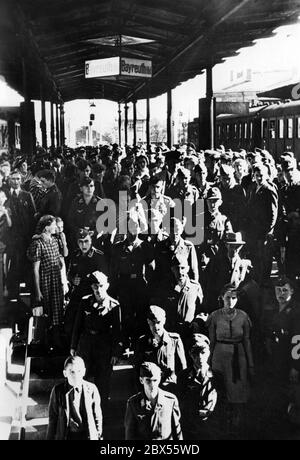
<point x="203" y="36"/>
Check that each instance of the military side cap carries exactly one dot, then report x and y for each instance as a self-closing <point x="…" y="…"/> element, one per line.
<point x="149" y="369"/>
<point x="97" y="278"/>
<point x="156" y="313"/>
<point x="214" y="194"/>
<point x="83" y="233"/>
<point x="199" y="341"/>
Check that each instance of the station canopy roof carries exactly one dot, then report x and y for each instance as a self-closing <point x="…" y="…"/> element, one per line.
<point x="53" y="39"/>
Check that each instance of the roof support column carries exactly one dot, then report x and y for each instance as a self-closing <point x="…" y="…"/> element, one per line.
<point x="57" y="126"/>
<point x="170" y="127"/>
<point x="211" y="106"/>
<point x="52" y="125"/>
<point x="120" y="125"/>
<point x="43" y="120"/>
<point x="134" y="123"/>
<point x="148" y="122"/>
<point x="62" y="125"/>
<point x="28" y="139"/>
<point x="126" y="123"/>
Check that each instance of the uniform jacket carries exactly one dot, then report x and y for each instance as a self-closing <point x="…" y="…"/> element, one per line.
<point x="142" y="422"/>
<point x="234" y="206"/>
<point x="181" y="303"/>
<point x="165" y="252"/>
<point x="105" y="319"/>
<point x="169" y="356"/>
<point x="196" y="394"/>
<point x="82" y="215"/>
<point x="82" y="265"/>
<point x="51" y="202"/>
<point x="59" y="411"/>
<point x="262" y="212"/>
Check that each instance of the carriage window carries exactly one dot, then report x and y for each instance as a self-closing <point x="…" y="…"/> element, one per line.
<point x="280" y="129"/>
<point x="251" y="129"/>
<point x="228" y="131"/>
<point x="272" y="129"/>
<point x="265" y="129"/>
<point x="290" y="126"/>
<point x="298" y="128"/>
<point x="246" y="130"/>
<point x="224" y="131"/>
<point x="240" y="131"/>
<point x="235" y="130"/>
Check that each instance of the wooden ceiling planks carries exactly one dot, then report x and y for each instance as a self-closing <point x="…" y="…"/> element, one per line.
<point x="185" y="35"/>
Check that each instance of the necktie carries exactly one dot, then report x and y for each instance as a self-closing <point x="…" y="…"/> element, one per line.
<point x="15" y="194"/>
<point x="75" y="406"/>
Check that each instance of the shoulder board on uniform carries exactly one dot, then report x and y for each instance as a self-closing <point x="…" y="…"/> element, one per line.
<point x="86" y="297"/>
<point x="97" y="251"/>
<point x="168" y="395"/>
<point x="114" y="302"/>
<point x="174" y="335"/>
<point x="195" y="283"/>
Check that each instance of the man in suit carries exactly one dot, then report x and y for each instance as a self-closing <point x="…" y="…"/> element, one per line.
<point x="22" y="216"/>
<point x="51" y="202"/>
<point x="230" y="268"/>
<point x="262" y="217"/>
<point x="75" y="406"/>
<point x="152" y="414"/>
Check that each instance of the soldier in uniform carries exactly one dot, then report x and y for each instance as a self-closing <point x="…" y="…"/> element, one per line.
<point x="216" y="225"/>
<point x="200" y="180"/>
<point x="262" y="217"/>
<point x="161" y="347"/>
<point x="83" y="211"/>
<point x="153" y="414"/>
<point x="278" y="326"/>
<point x="130" y="264"/>
<point x="184" y="191"/>
<point x="169" y="248"/>
<point x="234" y="199"/>
<point x="51" y="201"/>
<point x="156" y="199"/>
<point x="291" y="204"/>
<point x="197" y="392"/>
<point x="84" y="261"/>
<point x="97" y="333"/>
<point x="182" y="301"/>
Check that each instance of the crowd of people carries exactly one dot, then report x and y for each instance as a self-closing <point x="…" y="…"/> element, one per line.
<point x="168" y="254"/>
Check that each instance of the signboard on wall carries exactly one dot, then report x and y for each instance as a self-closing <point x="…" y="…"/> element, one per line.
<point x="118" y="66"/>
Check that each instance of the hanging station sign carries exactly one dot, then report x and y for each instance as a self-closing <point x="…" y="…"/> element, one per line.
<point x="118" y="67"/>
